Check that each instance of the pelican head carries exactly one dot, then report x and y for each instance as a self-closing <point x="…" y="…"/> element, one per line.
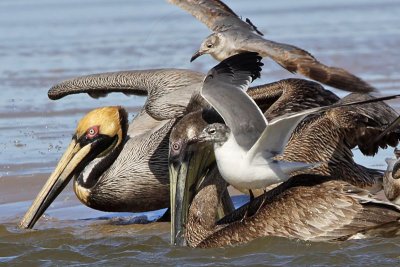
<point x="215" y="45"/>
<point x="98" y="140"/>
<point x="189" y="161"/>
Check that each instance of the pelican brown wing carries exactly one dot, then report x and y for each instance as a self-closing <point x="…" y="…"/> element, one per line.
<point x="364" y="123"/>
<point x="309" y="208"/>
<point x="328" y="138"/>
<point x="136" y="82"/>
<point x="394" y="126"/>
<point x="168" y="90"/>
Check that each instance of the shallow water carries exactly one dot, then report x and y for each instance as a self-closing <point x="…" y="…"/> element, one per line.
<point x="44" y="42"/>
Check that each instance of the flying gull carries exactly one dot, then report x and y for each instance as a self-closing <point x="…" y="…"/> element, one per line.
<point x="231" y="35"/>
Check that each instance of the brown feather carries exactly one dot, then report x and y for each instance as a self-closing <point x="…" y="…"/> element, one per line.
<point x="305" y="207"/>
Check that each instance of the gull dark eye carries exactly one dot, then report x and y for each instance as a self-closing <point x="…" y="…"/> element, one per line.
<point x="212" y="131"/>
<point x="209" y="45"/>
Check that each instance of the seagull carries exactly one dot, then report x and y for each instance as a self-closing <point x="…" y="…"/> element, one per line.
<point x="245" y="146"/>
<point x="231" y="36"/>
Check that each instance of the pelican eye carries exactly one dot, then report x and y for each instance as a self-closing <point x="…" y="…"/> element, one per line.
<point x="176" y="146"/>
<point x="92" y="132"/>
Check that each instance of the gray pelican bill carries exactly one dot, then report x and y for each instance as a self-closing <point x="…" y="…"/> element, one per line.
<point x="391" y="179"/>
<point x="231" y="36"/>
<point x="248" y="141"/>
<point x="132" y="174"/>
<point x="308" y="206"/>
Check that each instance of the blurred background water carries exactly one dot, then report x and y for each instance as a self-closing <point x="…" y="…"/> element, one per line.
<point x="43" y="42"/>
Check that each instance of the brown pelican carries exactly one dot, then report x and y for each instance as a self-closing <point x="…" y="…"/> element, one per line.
<point x="391" y="179"/>
<point x="230" y="72"/>
<point x="128" y="171"/>
<point x="308" y="206"/>
<point x="135" y="176"/>
<point x="231" y="36"/>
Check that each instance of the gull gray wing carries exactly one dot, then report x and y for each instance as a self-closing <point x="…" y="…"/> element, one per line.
<point x="275" y="137"/>
<point x="215" y="14"/>
<point x="297" y="60"/>
<point x="224" y="88"/>
<point x="157" y="84"/>
<point x="290" y="95"/>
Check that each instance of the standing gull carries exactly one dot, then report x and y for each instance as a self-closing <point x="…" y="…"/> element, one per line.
<point x="246" y="146"/>
<point x="231" y="35"/>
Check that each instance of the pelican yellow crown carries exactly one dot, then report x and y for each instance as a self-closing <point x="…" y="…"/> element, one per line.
<point x="107" y="118"/>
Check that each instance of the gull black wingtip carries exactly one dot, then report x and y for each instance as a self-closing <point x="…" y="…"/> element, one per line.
<point x="246" y="56"/>
<point x="246" y="61"/>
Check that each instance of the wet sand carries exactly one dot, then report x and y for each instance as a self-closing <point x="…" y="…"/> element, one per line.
<point x="45" y="42"/>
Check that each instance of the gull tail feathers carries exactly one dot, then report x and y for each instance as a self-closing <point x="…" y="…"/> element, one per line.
<point x="290" y="167"/>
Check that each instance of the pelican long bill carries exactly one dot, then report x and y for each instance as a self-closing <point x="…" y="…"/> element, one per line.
<point x="98" y="134"/>
<point x="62" y="174"/>
<point x="186" y="175"/>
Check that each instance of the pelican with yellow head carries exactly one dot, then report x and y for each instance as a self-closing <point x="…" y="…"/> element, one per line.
<point x="97" y="141"/>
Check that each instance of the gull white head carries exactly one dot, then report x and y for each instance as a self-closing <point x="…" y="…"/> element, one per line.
<point x="217" y="133"/>
<point x="216" y="45"/>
